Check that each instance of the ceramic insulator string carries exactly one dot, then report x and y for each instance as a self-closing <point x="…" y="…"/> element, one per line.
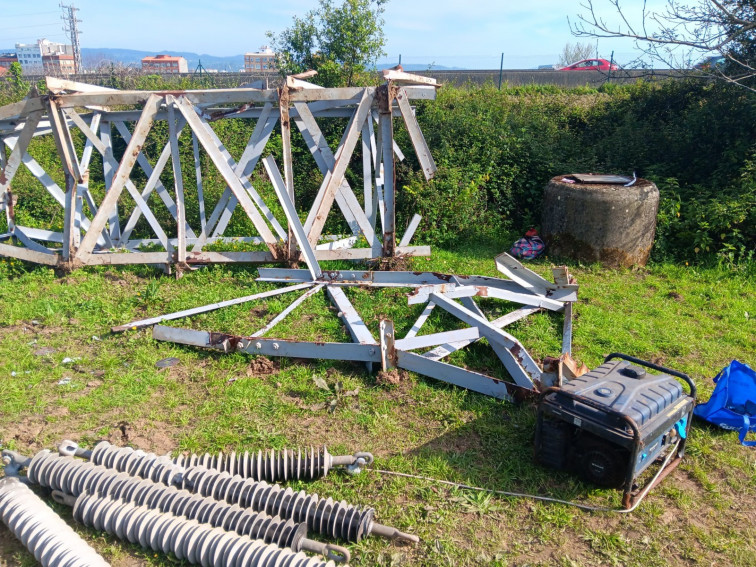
<point x="188" y="540"/>
<point x="52" y="542"/>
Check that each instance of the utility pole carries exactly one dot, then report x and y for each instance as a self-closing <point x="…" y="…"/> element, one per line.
<point x="70" y="26"/>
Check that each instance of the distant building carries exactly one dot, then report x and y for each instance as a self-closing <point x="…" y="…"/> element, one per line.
<point x="164" y="64"/>
<point x="58" y="64"/>
<point x="7" y="58"/>
<point x="30" y="54"/>
<point x="263" y="60"/>
<point x="3" y="71"/>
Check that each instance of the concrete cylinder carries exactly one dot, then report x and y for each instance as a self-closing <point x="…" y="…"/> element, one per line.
<point x="611" y="224"/>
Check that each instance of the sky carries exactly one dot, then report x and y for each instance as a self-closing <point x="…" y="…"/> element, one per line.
<point x="469" y="34"/>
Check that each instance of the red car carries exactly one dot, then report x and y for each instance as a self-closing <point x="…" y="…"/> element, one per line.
<point x="591" y="65"/>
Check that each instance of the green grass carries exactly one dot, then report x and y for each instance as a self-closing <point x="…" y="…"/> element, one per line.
<point x="690" y="318"/>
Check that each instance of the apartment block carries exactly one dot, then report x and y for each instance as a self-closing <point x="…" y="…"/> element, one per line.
<point x="30" y="55"/>
<point x="258" y="61"/>
<point x="164" y="64"/>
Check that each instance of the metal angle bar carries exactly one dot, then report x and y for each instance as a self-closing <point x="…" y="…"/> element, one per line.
<point x="18" y="151"/>
<point x="567" y="329"/>
<point x="194" y="258"/>
<point x="388" y="278"/>
<point x="435" y="339"/>
<point x="422" y="294"/>
<point x="420" y="320"/>
<point x="29" y="255"/>
<point x="377" y="153"/>
<point x="121" y="176"/>
<point x="283" y="110"/>
<point x="324" y="199"/>
<point x="71" y="174"/>
<point x="291" y="307"/>
<point x="268" y="347"/>
<point x="370" y="197"/>
<point x="386" y="126"/>
<point x="40" y="234"/>
<point x="397" y="150"/>
<point x="354" y="323"/>
<point x="206" y="138"/>
<point x="114" y="225"/>
<point x="243" y="169"/>
<point x="416" y="136"/>
<point x="178" y="180"/>
<point x="340" y="244"/>
<point x="21" y="108"/>
<point x="62" y="135"/>
<point x="212" y="96"/>
<point x="454" y="375"/>
<point x="531" y="281"/>
<point x="345" y="198"/>
<point x="411" y="228"/>
<point x="518" y="362"/>
<point x="153" y="174"/>
<point x="501" y="322"/>
<point x="388" y="345"/>
<point x="152" y="182"/>
<point x="29" y="243"/>
<point x="367" y="253"/>
<point x="198" y="177"/>
<point x="314" y="140"/>
<point x="206" y="308"/>
<point x="295" y="225"/>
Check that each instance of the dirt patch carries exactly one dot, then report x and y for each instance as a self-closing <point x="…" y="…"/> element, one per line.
<point x="158" y="438"/>
<point x="257" y="312"/>
<point x="262" y="366"/>
<point x="392" y="377"/>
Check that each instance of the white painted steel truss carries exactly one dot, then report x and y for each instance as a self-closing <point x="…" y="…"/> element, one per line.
<point x="99" y="226"/>
<point x="417" y="352"/>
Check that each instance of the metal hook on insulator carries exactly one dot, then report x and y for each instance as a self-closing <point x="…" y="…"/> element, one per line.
<point x="392" y="533"/>
<point x="353" y="464"/>
<point x="68" y="448"/>
<point x="328" y="550"/>
<point x="13" y="462"/>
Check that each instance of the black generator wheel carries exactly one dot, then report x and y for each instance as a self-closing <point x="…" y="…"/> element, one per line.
<point x="602" y="464"/>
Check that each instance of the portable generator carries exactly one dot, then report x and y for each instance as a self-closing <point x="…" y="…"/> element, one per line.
<point x="611" y="423"/>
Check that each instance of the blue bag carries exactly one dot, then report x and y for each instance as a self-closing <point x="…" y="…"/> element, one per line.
<point x="733" y="402"/>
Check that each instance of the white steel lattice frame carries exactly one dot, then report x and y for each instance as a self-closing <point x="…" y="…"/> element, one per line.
<point x="97" y="232"/>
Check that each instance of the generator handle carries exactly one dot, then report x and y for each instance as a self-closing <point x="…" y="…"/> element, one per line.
<point x="647" y="364"/>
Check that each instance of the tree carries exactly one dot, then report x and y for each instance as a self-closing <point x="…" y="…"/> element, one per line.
<point x="683" y="32"/>
<point x="573" y="52"/>
<point x="338" y="41"/>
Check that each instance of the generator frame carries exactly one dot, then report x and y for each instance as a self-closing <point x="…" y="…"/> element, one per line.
<point x="631" y="494"/>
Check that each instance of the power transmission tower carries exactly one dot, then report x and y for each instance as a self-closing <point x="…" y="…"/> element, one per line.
<point x="72" y="29"/>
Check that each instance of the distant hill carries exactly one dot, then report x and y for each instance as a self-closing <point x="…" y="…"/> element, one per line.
<point x="417" y="67"/>
<point x="91" y="57"/>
